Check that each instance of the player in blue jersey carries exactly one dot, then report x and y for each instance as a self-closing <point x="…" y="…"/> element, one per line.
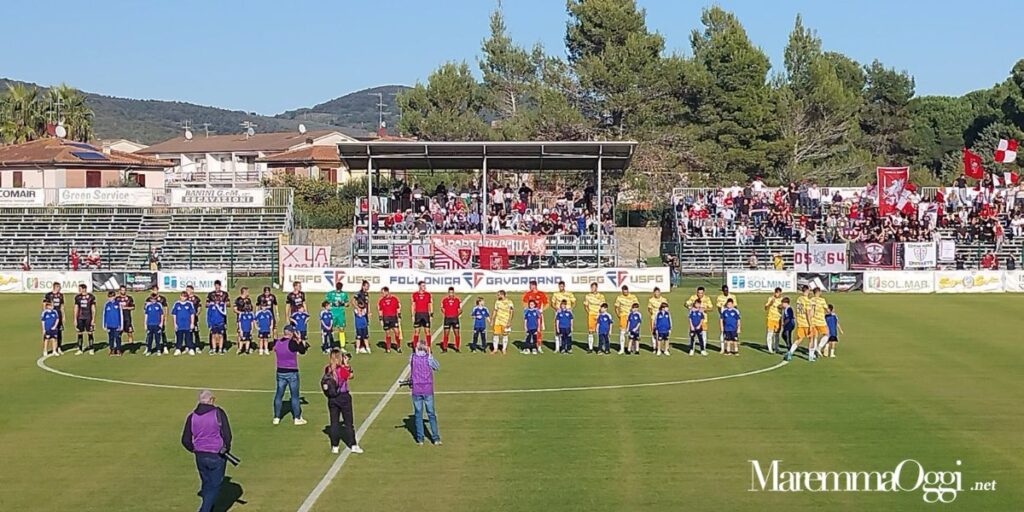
<point x="531" y="317"/>
<point x="246" y="319"/>
<point x="697" y="318"/>
<point x="216" y="321"/>
<point x="264" y="328"/>
<point x="563" y="321"/>
<point x="834" y="330"/>
<point x="326" y="328"/>
<point x="184" y="313"/>
<point x="604" y="329"/>
<point x="113" y="322"/>
<point x="300" y="319"/>
<point x="788" y="317"/>
<point x="154" y="313"/>
<point x="663" y="326"/>
<point x="362" y="321"/>
<point x="731" y="327"/>
<point x="481" y="317"/>
<point x="49" y="320"/>
<point x="633" y="327"/>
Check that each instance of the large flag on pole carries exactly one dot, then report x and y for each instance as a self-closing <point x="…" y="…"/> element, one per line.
<point x="892" y="182"/>
<point x="972" y="165"/>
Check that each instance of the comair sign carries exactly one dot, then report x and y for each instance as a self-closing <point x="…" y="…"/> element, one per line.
<point x="21" y="197"/>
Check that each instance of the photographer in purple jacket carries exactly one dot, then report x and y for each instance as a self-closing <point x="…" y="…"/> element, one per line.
<point x="207" y="434"/>
<point x="422" y="366"/>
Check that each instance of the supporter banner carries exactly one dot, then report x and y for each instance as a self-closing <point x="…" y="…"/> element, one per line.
<point x="136" y="197"/>
<point x="411" y="256"/>
<point x="947" y="251"/>
<point x="201" y="280"/>
<point x="22" y="197"/>
<point x="890" y="185"/>
<point x="919" y="255"/>
<point x="870" y="255"/>
<point x="819" y="257"/>
<point x="214" y="197"/>
<point x="899" y="281"/>
<point x="1013" y="281"/>
<point x="304" y="256"/>
<point x="832" y="282"/>
<point x="42" y="281"/>
<point x="517" y="245"/>
<point x="453" y="258"/>
<point x="405" y="280"/>
<point x="761" y="280"/>
<point x="493" y="258"/>
<point x="968" y="281"/>
<point x="11" y="282"/>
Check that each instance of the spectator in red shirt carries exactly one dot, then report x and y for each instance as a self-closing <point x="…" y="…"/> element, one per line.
<point x="388" y="309"/>
<point x="422" y="311"/>
<point x="989" y="262"/>
<point x="74" y="259"/>
<point x="451" y="308"/>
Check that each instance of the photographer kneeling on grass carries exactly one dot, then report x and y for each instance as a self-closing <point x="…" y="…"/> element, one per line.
<point x="207" y="434"/>
<point x="422" y="366"/>
<point x="334" y="384"/>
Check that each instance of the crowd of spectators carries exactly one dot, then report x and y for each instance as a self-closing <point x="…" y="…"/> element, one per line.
<point x="511" y="210"/>
<point x="805" y="212"/>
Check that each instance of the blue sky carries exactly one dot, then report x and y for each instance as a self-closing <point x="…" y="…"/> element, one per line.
<point x="270" y="56"/>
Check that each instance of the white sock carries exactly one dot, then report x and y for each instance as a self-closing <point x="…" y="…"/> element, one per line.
<point x="769" y="339"/>
<point x="590" y="341"/>
<point x="495" y="343"/>
<point x="622" y="341"/>
<point x="504" y="342"/>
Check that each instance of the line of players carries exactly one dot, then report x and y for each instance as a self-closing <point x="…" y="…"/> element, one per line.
<point x="812" y="318"/>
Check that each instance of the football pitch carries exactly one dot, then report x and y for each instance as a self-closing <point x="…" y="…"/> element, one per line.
<point x="936" y="379"/>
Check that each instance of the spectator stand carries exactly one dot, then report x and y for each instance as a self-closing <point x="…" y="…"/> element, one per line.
<point x="490" y="209"/>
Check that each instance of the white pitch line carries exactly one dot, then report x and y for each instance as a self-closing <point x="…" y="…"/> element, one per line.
<point x="335" y="468"/>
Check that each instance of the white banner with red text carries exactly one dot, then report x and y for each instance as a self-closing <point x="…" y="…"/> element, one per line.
<point x="517" y="245"/>
<point x="303" y="256"/>
<point x="819" y="257"/>
<point x="484" y="281"/>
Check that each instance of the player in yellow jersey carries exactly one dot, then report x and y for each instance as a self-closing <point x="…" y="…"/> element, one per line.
<point x="623" y="304"/>
<point x="653" y="305"/>
<point x="803" y="323"/>
<point x="556" y="301"/>
<point x="820" y="331"/>
<point x="592" y="305"/>
<point x="720" y="304"/>
<point x="773" y="312"/>
<point x="502" y="320"/>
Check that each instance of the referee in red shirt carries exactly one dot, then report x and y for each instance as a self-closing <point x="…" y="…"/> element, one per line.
<point x="422" y="311"/>
<point x="451" y="308"/>
<point x="389" y="309"/>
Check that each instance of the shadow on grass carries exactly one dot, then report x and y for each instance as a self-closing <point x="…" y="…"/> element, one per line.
<point x="230" y="494"/>
<point x="409" y="424"/>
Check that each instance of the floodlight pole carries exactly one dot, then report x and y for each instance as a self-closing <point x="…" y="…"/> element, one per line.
<point x="483" y="197"/>
<point x="600" y="170"/>
<point x="369" y="212"/>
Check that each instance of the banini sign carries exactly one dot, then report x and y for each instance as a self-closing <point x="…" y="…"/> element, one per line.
<point x="217" y="197"/>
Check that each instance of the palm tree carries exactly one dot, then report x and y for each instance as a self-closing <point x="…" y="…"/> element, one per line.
<point x="21" y="115"/>
<point x="74" y="113"/>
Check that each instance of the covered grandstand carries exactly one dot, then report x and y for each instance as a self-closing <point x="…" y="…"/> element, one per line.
<point x="374" y="246"/>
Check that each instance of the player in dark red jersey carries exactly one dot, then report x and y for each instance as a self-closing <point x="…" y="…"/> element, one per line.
<point x="422" y="312"/>
<point x="127" y="303"/>
<point x="389" y="311"/>
<point x="85" y="318"/>
<point x="294" y="299"/>
<point x="451" y="308"/>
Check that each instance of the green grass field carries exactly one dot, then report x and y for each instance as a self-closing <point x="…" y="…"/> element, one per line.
<point x="931" y="378"/>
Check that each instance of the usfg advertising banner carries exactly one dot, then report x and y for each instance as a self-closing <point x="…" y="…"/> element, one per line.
<point x="899" y="281"/>
<point x="200" y="280"/>
<point x="968" y="281"/>
<point x="405" y="280"/>
<point x="42" y="281"/>
<point x="761" y="280"/>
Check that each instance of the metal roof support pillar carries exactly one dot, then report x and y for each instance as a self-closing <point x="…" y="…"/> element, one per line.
<point x="600" y="198"/>
<point x="369" y="212"/>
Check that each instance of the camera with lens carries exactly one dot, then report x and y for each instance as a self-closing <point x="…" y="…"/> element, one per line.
<point x="407" y="383"/>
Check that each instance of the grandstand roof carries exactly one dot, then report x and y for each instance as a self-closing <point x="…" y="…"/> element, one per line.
<point x="61" y="152"/>
<point x="260" y="142"/>
<point x="527" y="156"/>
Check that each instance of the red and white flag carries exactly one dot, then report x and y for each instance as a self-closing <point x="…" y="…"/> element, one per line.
<point x="1009" y="179"/>
<point x="891" y="187"/>
<point x="972" y="165"/>
<point x="451" y="258"/>
<point x="1006" y="151"/>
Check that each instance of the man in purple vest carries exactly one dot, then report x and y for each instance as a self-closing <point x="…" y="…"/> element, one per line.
<point x="207" y="434"/>
<point x="286" y="351"/>
<point x="422" y="366"/>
